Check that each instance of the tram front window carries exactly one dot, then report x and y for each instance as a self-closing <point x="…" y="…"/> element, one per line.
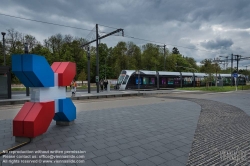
<point x="125" y="80"/>
<point x="120" y="79"/>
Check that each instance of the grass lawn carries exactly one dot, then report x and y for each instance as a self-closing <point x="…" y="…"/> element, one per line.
<point x="217" y="89"/>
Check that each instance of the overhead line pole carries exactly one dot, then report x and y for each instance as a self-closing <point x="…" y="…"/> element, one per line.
<point x="97" y="56"/>
<point x="97" y="60"/>
<point x="164" y="54"/>
<point x="164" y="57"/>
<point x="231" y="69"/>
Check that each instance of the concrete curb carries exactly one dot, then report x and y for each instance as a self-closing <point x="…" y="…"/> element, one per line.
<point x="13" y="102"/>
<point x="99" y="96"/>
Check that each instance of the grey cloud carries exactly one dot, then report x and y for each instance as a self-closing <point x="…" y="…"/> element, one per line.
<point x="217" y="44"/>
<point x="166" y="21"/>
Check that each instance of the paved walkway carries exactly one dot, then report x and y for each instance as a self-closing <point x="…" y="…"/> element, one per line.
<point x="171" y="129"/>
<point x="22" y="98"/>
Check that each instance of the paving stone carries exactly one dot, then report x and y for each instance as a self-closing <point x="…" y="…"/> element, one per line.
<point x="100" y="146"/>
<point x="143" y="141"/>
<point x="88" y="139"/>
<point x="167" y="156"/>
<point x="145" y="163"/>
<point x="176" y="152"/>
<point x="140" y="156"/>
<point x="147" y="146"/>
<point x="89" y="148"/>
<point x="112" y="149"/>
<point x="122" y="141"/>
<point x="101" y="160"/>
<point x="165" y="141"/>
<point x="137" y="149"/>
<point x="100" y="152"/>
<point x="179" y="143"/>
<point x="151" y="152"/>
<point x="90" y="163"/>
<point x="157" y="160"/>
<point x="156" y="144"/>
<point x="184" y="149"/>
<point x="89" y="143"/>
<point x="116" y="163"/>
<point x="52" y="147"/>
<point x="89" y="155"/>
<point x="129" y="160"/>
<point x="131" y="139"/>
<point x="112" y="143"/>
<point x="56" y="141"/>
<point x="172" y="163"/>
<point x="124" y="146"/>
<point x="126" y="152"/>
<point x="100" y="141"/>
<point x="114" y="156"/>
<point x="170" y="146"/>
<point x="134" y="143"/>
<point x="161" y="149"/>
<point x="182" y="159"/>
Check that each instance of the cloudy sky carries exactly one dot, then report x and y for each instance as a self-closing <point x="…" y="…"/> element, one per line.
<point x="198" y="28"/>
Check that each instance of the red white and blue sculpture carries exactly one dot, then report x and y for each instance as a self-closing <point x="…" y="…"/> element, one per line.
<point x="48" y="95"/>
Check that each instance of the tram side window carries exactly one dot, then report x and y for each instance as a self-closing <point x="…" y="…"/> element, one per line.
<point x="176" y="81"/>
<point x="163" y="81"/>
<point x="241" y="80"/>
<point x="152" y="81"/>
<point x="125" y="80"/>
<point x="145" y="80"/>
<point x="202" y="79"/>
<point x="136" y="81"/>
<point x="170" y="81"/>
<point x="188" y="80"/>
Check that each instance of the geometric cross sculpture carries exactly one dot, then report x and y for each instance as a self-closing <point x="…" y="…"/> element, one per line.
<point x="48" y="96"/>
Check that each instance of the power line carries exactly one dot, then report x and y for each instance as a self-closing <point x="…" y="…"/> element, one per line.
<point x="107" y="26"/>
<point x="45" y="22"/>
<point x="162" y="43"/>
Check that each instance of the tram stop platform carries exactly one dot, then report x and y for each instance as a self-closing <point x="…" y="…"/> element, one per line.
<point x="22" y="98"/>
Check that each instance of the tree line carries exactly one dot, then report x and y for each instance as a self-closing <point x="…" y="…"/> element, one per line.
<point x="125" y="55"/>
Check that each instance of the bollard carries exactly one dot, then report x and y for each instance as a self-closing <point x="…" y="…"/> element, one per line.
<point x="108" y="86"/>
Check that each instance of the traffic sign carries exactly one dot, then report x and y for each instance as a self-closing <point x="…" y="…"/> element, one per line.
<point x="235" y="75"/>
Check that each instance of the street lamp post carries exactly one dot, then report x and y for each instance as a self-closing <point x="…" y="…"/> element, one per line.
<point x="3" y="33"/>
<point x="88" y="70"/>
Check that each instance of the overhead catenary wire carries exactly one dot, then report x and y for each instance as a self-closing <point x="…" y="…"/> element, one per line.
<point x="161" y="43"/>
<point x="107" y="26"/>
<point x="44" y="22"/>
